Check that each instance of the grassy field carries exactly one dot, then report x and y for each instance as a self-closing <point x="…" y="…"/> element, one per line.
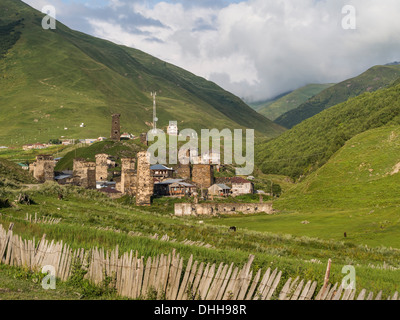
<point x="355" y="192"/>
<point x="85" y="214"/>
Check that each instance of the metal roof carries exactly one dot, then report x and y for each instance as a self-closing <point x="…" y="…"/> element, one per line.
<point x="160" y="167"/>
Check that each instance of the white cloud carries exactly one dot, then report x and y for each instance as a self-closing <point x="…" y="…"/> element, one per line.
<point x="255" y="48"/>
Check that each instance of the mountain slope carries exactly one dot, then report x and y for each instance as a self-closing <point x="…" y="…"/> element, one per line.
<point x="57" y="79"/>
<point x="376" y="78"/>
<point x="274" y="109"/>
<point x="363" y="174"/>
<point x="312" y="143"/>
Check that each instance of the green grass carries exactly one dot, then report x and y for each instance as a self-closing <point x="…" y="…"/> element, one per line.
<point x="56" y="79"/>
<point x="83" y="211"/>
<point x="376" y="78"/>
<point x="353" y="193"/>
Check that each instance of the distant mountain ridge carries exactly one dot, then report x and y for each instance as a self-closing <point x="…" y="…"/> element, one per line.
<point x="54" y="80"/>
<point x="309" y="145"/>
<point x="274" y="108"/>
<point x="375" y="78"/>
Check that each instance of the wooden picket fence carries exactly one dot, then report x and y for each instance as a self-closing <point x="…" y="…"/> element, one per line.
<point x="164" y="277"/>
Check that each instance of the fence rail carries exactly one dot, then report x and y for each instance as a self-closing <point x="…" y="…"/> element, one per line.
<point x="164" y="276"/>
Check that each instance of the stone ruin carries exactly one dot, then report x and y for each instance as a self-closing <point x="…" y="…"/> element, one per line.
<point x="84" y="174"/>
<point x="43" y="168"/>
<point x="144" y="180"/>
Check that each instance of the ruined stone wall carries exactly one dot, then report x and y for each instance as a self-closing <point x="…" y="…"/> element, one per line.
<point x="144" y="181"/>
<point x="213" y="209"/>
<point x="101" y="167"/>
<point x="203" y="175"/>
<point x="43" y="168"/>
<point x="128" y="176"/>
<point x="116" y="127"/>
<point x="84" y="174"/>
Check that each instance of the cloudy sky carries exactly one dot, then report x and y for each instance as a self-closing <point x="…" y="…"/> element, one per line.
<point x="256" y="49"/>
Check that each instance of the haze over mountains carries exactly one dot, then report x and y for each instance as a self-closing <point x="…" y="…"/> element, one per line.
<point x="375" y="78"/>
<point x="274" y="108"/>
<point x="54" y="80"/>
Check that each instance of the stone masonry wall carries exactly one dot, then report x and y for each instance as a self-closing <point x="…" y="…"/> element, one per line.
<point x="203" y="175"/>
<point x="43" y="168"/>
<point x="208" y="209"/>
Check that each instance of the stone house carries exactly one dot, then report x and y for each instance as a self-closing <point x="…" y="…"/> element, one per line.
<point x="174" y="188"/>
<point x="161" y="172"/>
<point x="239" y="186"/>
<point x="219" y="190"/>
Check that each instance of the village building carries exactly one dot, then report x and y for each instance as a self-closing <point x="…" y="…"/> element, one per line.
<point x="239" y="185"/>
<point x="161" y="172"/>
<point x="220" y="190"/>
<point x="24" y="166"/>
<point x="127" y="136"/>
<point x="172" y="129"/>
<point x="174" y="188"/>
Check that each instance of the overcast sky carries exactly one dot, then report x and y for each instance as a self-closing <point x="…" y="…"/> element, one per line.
<point x="256" y="49"/>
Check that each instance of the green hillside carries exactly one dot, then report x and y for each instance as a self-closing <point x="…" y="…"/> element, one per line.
<point x="376" y="78"/>
<point x="312" y="143"/>
<point x="364" y="174"/>
<point x="356" y="191"/>
<point x="56" y="79"/>
<point x="11" y="174"/>
<point x="273" y="109"/>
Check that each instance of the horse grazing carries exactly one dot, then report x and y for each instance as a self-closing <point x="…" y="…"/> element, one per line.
<point x="234" y="229"/>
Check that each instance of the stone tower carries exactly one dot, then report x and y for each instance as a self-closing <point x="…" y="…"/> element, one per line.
<point x="128" y="176"/>
<point x="144" y="180"/>
<point x="43" y="168"/>
<point x="184" y="170"/>
<point x="101" y="167"/>
<point x="116" y="127"/>
<point x="84" y="174"/>
<point x="203" y="175"/>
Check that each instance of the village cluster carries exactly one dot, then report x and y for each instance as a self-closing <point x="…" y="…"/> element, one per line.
<point x="138" y="178"/>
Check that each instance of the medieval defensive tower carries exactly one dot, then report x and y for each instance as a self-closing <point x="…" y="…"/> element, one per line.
<point x="116" y="127"/>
